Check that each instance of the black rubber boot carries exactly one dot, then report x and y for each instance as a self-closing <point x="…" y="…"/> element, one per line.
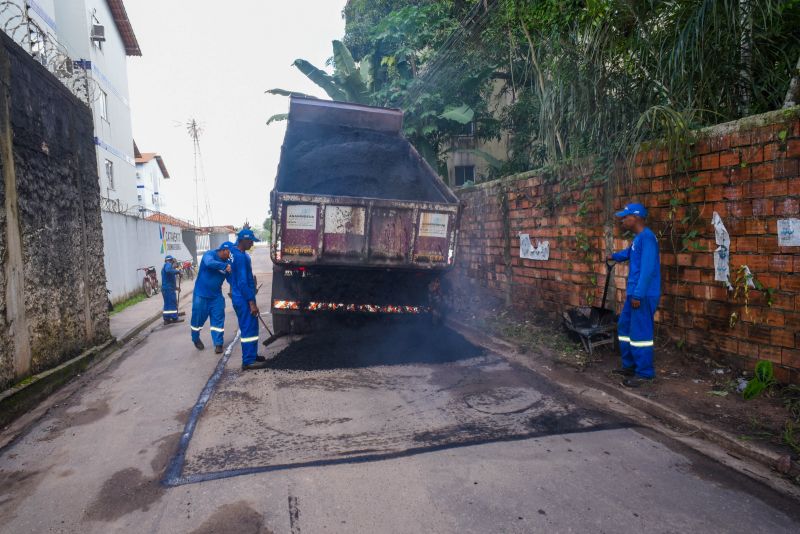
<point x="218" y="349"/>
<point x="199" y="345"/>
<point x="254" y="366"/>
<point x="624" y="371"/>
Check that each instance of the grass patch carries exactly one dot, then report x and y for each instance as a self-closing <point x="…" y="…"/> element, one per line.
<point x="118" y="307"/>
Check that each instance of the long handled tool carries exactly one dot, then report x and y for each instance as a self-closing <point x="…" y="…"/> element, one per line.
<point x="272" y="337"/>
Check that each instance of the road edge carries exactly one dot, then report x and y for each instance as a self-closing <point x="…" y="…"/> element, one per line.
<point x="754" y="462"/>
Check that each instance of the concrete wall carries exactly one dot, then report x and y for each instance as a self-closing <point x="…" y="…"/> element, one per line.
<point x="53" y="287"/>
<point x="132" y="242"/>
<point x="747" y="171"/>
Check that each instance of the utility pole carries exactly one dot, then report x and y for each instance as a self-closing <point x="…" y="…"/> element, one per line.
<point x="194" y="132"/>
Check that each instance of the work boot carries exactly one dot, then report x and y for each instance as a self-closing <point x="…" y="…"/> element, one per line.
<point x="624" y="371"/>
<point x="176" y="320"/>
<point x="636" y="381"/>
<point x="260" y="359"/>
<point x="218" y="349"/>
<point x="199" y="345"/>
<point x="181" y="314"/>
<point x="254" y="366"/>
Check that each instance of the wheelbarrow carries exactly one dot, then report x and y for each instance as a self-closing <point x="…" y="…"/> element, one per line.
<point x="594" y="325"/>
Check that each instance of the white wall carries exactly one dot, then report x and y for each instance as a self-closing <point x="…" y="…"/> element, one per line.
<point x="132" y="242"/>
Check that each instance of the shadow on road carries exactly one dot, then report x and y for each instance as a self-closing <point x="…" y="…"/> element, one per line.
<point x="347" y="347"/>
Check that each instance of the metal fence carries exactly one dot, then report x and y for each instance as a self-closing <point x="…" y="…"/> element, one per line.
<point x="44" y="47"/>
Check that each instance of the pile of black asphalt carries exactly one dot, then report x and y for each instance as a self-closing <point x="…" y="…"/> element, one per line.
<point x="343" y="161"/>
<point x="375" y="343"/>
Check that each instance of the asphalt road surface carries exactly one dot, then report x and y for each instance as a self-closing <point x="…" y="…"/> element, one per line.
<point x="378" y="427"/>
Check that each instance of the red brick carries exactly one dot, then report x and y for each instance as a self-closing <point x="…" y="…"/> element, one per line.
<point x="757" y="264"/>
<point x="696" y="307"/>
<point x="774" y="318"/>
<point x="737" y="175"/>
<point x="753" y="190"/>
<point x="774" y="151"/>
<point x="697" y="195"/>
<point x="732" y="192"/>
<point x="790" y="358"/>
<point x="768" y="245"/>
<point x="793" y="148"/>
<point x="690" y="275"/>
<point x="729" y="158"/>
<point x="763" y="171"/>
<point x="763" y="207"/>
<point x="782" y="338"/>
<point x="776" y="188"/>
<point x="772" y="354"/>
<point x="752" y="154"/>
<point x="709" y="161"/>
<point x="740" y="139"/>
<point x="790" y="283"/>
<point x="743" y="208"/>
<point x="718" y="177"/>
<point x="748" y="350"/>
<point x="794" y="187"/>
<point x="755" y="227"/>
<point x="787" y="207"/>
<point x="759" y="334"/>
<point x="745" y="244"/>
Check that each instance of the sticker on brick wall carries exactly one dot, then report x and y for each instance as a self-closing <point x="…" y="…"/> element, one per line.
<point x="722" y="272"/>
<point x="540" y="252"/>
<point x="789" y="232"/>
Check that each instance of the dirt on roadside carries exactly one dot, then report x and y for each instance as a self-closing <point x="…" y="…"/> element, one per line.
<point x="701" y="387"/>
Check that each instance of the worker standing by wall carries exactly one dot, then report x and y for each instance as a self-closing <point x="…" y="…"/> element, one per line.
<point x="643" y="291"/>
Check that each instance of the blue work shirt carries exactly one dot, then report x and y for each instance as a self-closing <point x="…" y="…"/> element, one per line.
<point x="243" y="285"/>
<point x="210" y="275"/>
<point x="644" y="276"/>
<point x="168" y="275"/>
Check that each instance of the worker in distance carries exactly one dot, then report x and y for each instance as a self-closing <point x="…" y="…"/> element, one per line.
<point x="169" y="276"/>
<point x="215" y="268"/>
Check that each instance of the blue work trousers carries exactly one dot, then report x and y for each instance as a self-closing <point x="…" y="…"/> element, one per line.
<point x="248" y="326"/>
<point x="202" y="308"/>
<point x="170" y="303"/>
<point x="635" y="333"/>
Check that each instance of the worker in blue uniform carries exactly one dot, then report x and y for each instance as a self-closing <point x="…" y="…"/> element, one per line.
<point x="643" y="291"/>
<point x="243" y="297"/>
<point x="208" y="300"/>
<point x="169" y="275"/>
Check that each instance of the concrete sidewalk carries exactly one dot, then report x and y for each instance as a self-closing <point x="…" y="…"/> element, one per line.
<point x="131" y="320"/>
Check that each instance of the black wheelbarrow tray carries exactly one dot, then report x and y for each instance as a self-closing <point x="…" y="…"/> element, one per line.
<point x="594" y="325"/>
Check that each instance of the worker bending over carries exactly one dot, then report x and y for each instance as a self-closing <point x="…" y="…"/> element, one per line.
<point x="207" y="301"/>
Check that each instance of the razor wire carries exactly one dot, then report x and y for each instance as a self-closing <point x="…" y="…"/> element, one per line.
<point x="45" y="48"/>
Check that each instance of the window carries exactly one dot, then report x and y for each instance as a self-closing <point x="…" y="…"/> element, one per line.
<point x="464" y="174"/>
<point x="103" y="105"/>
<point x="110" y="173"/>
<point x="139" y="198"/>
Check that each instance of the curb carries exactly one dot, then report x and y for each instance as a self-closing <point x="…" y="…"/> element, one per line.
<point x="703" y="438"/>
<point x="21" y="399"/>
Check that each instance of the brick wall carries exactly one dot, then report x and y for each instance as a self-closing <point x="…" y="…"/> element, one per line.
<point x="746" y="171"/>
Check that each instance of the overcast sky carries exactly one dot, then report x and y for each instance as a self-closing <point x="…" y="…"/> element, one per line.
<point x="201" y="61"/>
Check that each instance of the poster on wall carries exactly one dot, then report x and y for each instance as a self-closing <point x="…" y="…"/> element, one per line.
<point x="540" y="252"/>
<point x="721" y="254"/>
<point x="789" y="232"/>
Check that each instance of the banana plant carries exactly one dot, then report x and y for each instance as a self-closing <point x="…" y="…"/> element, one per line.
<point x="350" y="81"/>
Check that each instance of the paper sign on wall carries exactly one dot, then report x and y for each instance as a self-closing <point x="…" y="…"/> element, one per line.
<point x="789" y="232"/>
<point x="540" y="252"/>
<point x="433" y="225"/>
<point x="721" y="254"/>
<point x="301" y="217"/>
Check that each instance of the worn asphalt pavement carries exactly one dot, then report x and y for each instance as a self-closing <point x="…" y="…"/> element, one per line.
<point x="372" y="428"/>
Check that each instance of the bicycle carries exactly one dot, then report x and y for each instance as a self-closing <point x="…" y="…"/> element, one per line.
<point x="187" y="270"/>
<point x="150" y="283"/>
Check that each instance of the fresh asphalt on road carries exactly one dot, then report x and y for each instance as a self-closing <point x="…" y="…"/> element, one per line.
<point x="370" y="428"/>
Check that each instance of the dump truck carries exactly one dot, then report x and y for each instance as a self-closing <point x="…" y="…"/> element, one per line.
<point x="361" y="223"/>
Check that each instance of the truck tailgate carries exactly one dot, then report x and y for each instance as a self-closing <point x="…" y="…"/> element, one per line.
<point x="348" y="231"/>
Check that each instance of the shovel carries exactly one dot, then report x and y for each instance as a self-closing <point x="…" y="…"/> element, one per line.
<point x="272" y="337"/>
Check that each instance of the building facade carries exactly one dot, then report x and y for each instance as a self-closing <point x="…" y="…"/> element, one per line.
<point x="150" y="173"/>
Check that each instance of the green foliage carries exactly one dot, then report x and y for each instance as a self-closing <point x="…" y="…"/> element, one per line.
<point x="763" y="378"/>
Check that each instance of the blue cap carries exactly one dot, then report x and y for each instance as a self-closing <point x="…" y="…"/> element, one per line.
<point x="633" y="209"/>
<point x="227" y="244"/>
<point x="168" y="258"/>
<point x="246" y="233"/>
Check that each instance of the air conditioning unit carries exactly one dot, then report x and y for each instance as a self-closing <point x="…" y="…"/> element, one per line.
<point x="98" y="33"/>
